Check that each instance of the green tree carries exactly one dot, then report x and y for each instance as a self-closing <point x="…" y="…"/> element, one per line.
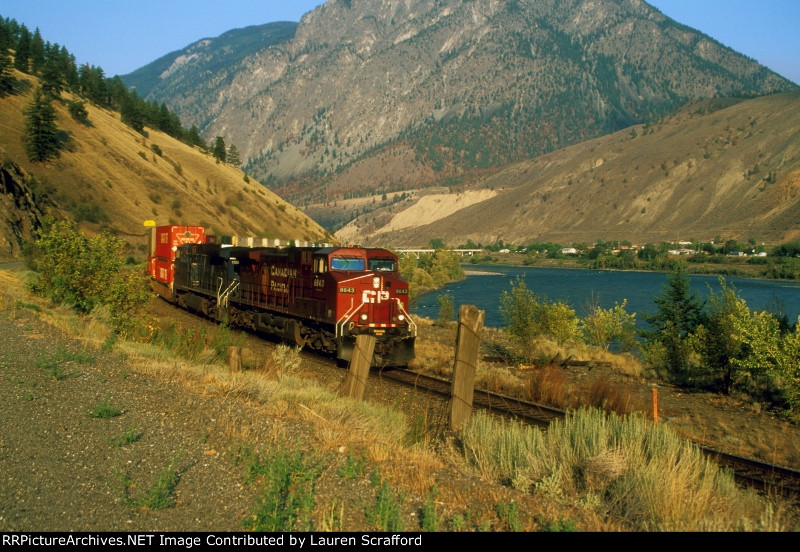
<point x="131" y="113"/>
<point x="419" y="279"/>
<point x="680" y="312"/>
<point x="6" y="79"/>
<point x="446" y="309"/>
<point x="218" y="151"/>
<point x="769" y="354"/>
<point x="41" y="133"/>
<point x="193" y="138"/>
<point x="22" y="53"/>
<point x="445" y="267"/>
<point x="233" y="156"/>
<point x="719" y="344"/>
<point x="560" y="322"/>
<point x="436" y="243"/>
<point x="520" y="310"/>
<point x="602" y="327"/>
<point x="37" y="51"/>
<point x="51" y="79"/>
<point x="77" y="110"/>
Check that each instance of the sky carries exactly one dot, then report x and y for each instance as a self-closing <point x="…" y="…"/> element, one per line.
<point x="123" y="35"/>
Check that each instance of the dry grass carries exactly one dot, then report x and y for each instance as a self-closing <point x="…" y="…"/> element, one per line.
<point x="640" y="474"/>
<point x="548" y="385"/>
<point x="609" y="397"/>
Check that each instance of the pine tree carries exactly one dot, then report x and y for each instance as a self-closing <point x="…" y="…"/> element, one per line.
<point x="22" y="54"/>
<point x="41" y="133"/>
<point x="37" y="51"/>
<point x="233" y="156"/>
<point x="680" y="312"/>
<point x="194" y="138"/>
<point x="219" y="149"/>
<point x="6" y="79"/>
<point x="51" y="79"/>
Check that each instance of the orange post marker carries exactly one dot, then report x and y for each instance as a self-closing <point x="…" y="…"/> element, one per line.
<point x="655" y="405"/>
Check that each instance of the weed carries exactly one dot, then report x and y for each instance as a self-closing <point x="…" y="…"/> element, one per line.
<point x="610" y="397"/>
<point x="385" y="514"/>
<point x="560" y="526"/>
<point x="458" y="523"/>
<point x="509" y="515"/>
<point x="287" y="498"/>
<point x="104" y="410"/>
<point x="287" y="359"/>
<point x="160" y="495"/>
<point x="429" y="518"/>
<point x="223" y="337"/>
<point x="333" y="519"/>
<point x="354" y="467"/>
<point x="110" y="341"/>
<point x="29" y="396"/>
<point x="131" y="435"/>
<point x="418" y="430"/>
<point x="54" y="363"/>
<point x="31" y="306"/>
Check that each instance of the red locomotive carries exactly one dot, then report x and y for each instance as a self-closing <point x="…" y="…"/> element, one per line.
<point x="313" y="295"/>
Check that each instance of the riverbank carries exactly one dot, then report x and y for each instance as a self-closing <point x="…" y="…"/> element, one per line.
<point x="739" y="267"/>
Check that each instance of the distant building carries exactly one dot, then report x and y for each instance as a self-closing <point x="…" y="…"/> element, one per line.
<point x="569" y="251"/>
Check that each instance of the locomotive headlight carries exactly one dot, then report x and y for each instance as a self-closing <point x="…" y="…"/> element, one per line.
<point x="364" y="317"/>
<point x="401" y="317"/>
<point x="376" y="282"/>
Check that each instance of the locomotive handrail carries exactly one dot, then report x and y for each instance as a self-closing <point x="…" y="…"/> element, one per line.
<point x="224" y="297"/>
<point x="347" y="316"/>
<point x="411" y="324"/>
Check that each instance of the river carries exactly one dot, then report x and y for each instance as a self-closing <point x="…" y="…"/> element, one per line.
<point x="582" y="287"/>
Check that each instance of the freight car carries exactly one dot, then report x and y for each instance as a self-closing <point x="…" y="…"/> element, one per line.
<point x="317" y="296"/>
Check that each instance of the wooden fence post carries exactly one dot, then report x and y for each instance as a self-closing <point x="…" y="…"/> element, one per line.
<point x="234" y="359"/>
<point x="470" y="325"/>
<point x="356" y="381"/>
<point x="655" y="404"/>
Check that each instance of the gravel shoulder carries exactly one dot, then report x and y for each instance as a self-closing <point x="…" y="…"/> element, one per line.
<point x="60" y="469"/>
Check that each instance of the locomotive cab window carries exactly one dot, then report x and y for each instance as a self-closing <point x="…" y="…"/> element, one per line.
<point x="382" y="265"/>
<point x="347" y="263"/>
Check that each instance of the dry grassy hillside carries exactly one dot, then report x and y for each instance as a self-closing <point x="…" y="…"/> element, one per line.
<point x="712" y="170"/>
<point x="117" y="178"/>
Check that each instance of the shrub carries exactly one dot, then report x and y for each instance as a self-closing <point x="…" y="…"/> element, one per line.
<point x="446" y="309"/>
<point x="85" y="273"/>
<point x="602" y="327"/>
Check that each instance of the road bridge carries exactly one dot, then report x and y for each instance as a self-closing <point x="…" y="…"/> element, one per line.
<point x="418" y="252"/>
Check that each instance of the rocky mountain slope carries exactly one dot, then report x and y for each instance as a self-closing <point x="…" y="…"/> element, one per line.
<point x="109" y="177"/>
<point x="713" y="170"/>
<point x="379" y="96"/>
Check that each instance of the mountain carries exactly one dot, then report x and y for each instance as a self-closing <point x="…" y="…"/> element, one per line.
<point x="109" y="177"/>
<point x="713" y="170"/>
<point x="380" y="96"/>
<point x="208" y="62"/>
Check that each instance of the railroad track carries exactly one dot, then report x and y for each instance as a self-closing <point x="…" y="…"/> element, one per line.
<point x="765" y="477"/>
